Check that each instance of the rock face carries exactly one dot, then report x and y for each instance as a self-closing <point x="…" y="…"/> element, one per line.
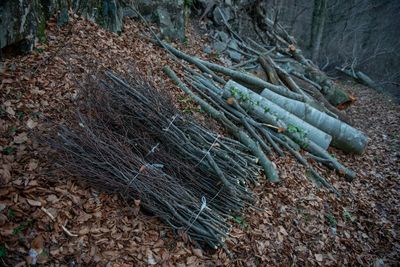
<point x="23" y="22"/>
<point x="169" y="15"/>
<point x="106" y="13"/>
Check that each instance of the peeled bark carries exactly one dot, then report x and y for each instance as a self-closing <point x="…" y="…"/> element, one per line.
<point x="261" y="107"/>
<point x="343" y="135"/>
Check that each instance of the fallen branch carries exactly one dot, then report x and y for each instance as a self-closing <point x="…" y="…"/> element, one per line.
<point x="54" y="220"/>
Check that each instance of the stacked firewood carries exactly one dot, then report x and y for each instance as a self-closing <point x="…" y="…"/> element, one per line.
<point x="128" y="138"/>
<point x="294" y="106"/>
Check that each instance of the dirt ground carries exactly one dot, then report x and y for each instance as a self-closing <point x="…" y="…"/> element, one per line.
<point x="70" y="224"/>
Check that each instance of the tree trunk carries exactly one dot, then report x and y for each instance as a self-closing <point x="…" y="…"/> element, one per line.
<point x="317" y="27"/>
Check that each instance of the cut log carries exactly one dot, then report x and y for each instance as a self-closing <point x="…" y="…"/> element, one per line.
<point x="261" y="107"/>
<point x="361" y="77"/>
<point x="332" y="92"/>
<point x="269" y="70"/>
<point x="343" y="135"/>
<point x="255" y="81"/>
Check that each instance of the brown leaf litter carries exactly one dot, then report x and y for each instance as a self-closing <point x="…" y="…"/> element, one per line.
<point x="299" y="224"/>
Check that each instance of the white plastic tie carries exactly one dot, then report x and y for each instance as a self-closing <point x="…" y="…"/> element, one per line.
<point x="171" y="122"/>
<point x="202" y="207"/>
<point x="208" y="151"/>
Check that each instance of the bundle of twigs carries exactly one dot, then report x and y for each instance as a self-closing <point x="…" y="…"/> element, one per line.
<point x="260" y="137"/>
<point x="131" y="140"/>
<point x="281" y="116"/>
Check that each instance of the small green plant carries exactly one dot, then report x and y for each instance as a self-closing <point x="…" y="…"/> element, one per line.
<point x="11" y="213"/>
<point x="294" y="129"/>
<point x="331" y="220"/>
<point x="20" y="115"/>
<point x="39" y="50"/>
<point x="2" y="112"/>
<point x="347" y="216"/>
<point x="44" y="253"/>
<point x="305" y="144"/>
<point x="8" y="150"/>
<point x="266" y="110"/>
<point x="188" y="105"/>
<point x="3" y="251"/>
<point x="234" y="91"/>
<point x="217" y="56"/>
<point x="23" y="226"/>
<point x="12" y="131"/>
<point x="186" y="41"/>
<point x="36" y="114"/>
<point x="244" y="97"/>
<point x="41" y="33"/>
<point x="19" y="229"/>
<point x="188" y="3"/>
<point x="241" y="221"/>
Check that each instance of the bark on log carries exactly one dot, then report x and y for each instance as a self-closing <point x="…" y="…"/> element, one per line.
<point x="259" y="83"/>
<point x="260" y="106"/>
<point x="343" y="135"/>
<point x="315" y="91"/>
<point x="332" y="92"/>
<point x="361" y="78"/>
<point x="269" y="70"/>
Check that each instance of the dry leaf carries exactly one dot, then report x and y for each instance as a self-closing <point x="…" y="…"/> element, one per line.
<point x="191" y="260"/>
<point x="21" y="138"/>
<point x="33" y="164"/>
<point x="84" y="217"/>
<point x="150" y="257"/>
<point x="318" y="257"/>
<point x="52" y="198"/>
<point x="142" y="168"/>
<point x="10" y="111"/>
<point x="283" y="230"/>
<point x="230" y="101"/>
<point x="7" y="81"/>
<point x="34" y="203"/>
<point x="31" y="124"/>
<point x="38" y="244"/>
<point x="198" y="252"/>
<point x="137" y="202"/>
<point x="5" y="174"/>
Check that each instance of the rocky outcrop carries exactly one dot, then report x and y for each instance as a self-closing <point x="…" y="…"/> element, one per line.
<point x="169" y="15"/>
<point x="23" y="22"/>
<point x="106" y="13"/>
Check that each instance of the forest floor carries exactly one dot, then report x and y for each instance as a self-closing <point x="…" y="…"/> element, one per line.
<point x="299" y="224"/>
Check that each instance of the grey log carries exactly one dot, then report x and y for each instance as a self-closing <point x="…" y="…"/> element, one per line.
<point x="344" y="136"/>
<point x="260" y="107"/>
